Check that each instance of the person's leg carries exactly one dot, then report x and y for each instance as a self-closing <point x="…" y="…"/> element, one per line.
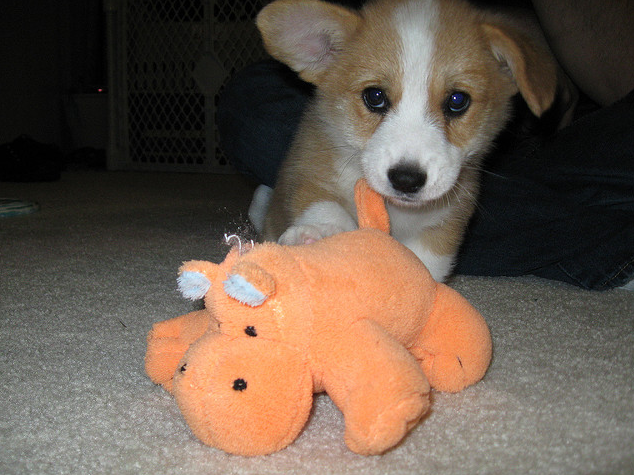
<point x="594" y="43"/>
<point x="257" y="115"/>
<point x="563" y="209"/>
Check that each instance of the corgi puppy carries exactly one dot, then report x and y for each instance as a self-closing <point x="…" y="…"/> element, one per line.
<point x="410" y="94"/>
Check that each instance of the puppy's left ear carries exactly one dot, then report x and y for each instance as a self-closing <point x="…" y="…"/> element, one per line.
<point x="529" y="61"/>
<point x="306" y="35"/>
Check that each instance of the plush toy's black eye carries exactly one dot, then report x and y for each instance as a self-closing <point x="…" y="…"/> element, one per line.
<point x="250" y="330"/>
<point x="239" y="384"/>
<point x="457" y="103"/>
<point x="183" y="368"/>
<point x="376" y="100"/>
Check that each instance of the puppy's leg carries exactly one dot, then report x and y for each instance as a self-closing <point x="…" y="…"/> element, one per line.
<point x="320" y="220"/>
<point x="439" y="265"/>
<point x="260" y="206"/>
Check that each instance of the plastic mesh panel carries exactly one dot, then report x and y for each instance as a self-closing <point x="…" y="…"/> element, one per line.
<point x="168" y="116"/>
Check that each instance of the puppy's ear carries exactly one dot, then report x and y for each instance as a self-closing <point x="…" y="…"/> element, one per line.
<point x="306" y="35"/>
<point x="529" y="61"/>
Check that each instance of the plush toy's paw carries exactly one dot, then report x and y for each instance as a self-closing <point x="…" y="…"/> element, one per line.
<point x="308" y="233"/>
<point x="445" y="372"/>
<point x="389" y="428"/>
<point x="168" y="341"/>
<point x="161" y="359"/>
<point x="455" y="348"/>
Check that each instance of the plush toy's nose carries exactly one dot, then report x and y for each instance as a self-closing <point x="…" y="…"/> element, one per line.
<point x="245" y="396"/>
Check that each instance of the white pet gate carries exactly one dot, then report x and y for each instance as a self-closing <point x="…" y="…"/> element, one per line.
<point x="167" y="62"/>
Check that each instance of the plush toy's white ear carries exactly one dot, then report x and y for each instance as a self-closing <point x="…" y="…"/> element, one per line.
<point x="193" y="285"/>
<point x="194" y="280"/>
<point x="238" y="288"/>
<point x="249" y="284"/>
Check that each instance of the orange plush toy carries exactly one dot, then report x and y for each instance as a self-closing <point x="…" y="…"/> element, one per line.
<point x="356" y="315"/>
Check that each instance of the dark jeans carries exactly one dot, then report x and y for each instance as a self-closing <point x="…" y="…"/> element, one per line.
<point x="560" y="208"/>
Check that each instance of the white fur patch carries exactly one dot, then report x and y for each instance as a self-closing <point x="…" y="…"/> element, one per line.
<point x="259" y="206"/>
<point x="407" y="225"/>
<point x="439" y="266"/>
<point x="320" y="220"/>
<point x="328" y="212"/>
<point x="409" y="133"/>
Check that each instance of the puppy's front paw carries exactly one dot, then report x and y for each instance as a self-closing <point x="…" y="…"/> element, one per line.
<point x="307" y="233"/>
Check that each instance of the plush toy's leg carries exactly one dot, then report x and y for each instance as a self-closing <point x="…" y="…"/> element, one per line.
<point x="378" y="386"/>
<point x="455" y="347"/>
<point x="168" y="341"/>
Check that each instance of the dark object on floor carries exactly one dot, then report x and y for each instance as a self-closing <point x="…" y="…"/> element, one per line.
<point x="11" y="207"/>
<point x="27" y="160"/>
<point x="86" y="158"/>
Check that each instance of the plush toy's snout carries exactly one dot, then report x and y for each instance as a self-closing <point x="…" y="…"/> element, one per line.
<point x="246" y="395"/>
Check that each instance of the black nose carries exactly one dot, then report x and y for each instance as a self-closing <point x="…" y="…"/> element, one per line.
<point x="407" y="178"/>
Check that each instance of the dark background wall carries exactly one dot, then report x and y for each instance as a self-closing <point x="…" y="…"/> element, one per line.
<point x="49" y="49"/>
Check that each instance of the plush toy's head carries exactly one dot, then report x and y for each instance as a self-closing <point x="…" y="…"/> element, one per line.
<point x="356" y="315"/>
<point x="245" y="291"/>
<point x="249" y="388"/>
<point x="248" y="396"/>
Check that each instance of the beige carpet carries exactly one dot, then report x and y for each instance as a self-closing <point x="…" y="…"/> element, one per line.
<point x="83" y="279"/>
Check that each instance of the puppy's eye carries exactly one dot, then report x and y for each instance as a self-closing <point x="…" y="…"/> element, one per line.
<point x="457" y="104"/>
<point x="251" y="331"/>
<point x="376" y="100"/>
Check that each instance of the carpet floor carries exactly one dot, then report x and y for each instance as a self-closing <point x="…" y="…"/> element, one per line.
<point x="83" y="278"/>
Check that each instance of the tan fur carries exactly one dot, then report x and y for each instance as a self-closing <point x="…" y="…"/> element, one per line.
<point x="306" y="179"/>
<point x="536" y="79"/>
<point x="301" y="182"/>
<point x="460" y="63"/>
